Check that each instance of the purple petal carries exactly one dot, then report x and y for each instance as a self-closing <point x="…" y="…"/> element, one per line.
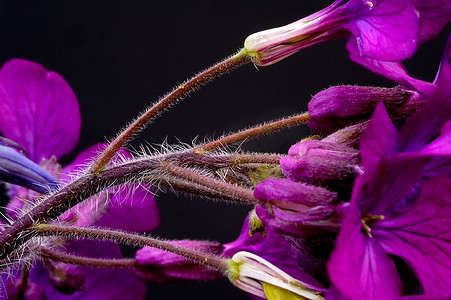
<point x="133" y="208"/>
<point x="396" y="178"/>
<point x="391" y="69"/>
<point x="389" y="25"/>
<point x="275" y="249"/>
<point x="158" y="266"/>
<point x="434" y="16"/>
<point x="421" y="236"/>
<point x="426" y="124"/>
<point x="442" y="144"/>
<point x="359" y="268"/>
<point x="39" y="110"/>
<point x="378" y="140"/>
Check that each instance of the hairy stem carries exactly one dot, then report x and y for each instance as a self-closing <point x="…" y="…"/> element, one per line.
<point x="254" y="132"/>
<point x="88" y="184"/>
<point x="180" y="92"/>
<point x="70" y="232"/>
<point x="240" y="194"/>
<point x="125" y="263"/>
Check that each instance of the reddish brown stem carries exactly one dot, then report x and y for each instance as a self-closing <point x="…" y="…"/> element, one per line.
<point x="180" y="92"/>
<point x="202" y="258"/>
<point x="125" y="263"/>
<point x="253" y="132"/>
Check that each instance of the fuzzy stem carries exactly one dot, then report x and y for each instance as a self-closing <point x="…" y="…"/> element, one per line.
<point x="173" y="97"/>
<point x="257" y="158"/>
<point x="185" y="186"/>
<point x="88" y="184"/>
<point x="71" y="232"/>
<point x="242" y="195"/>
<point x="125" y="263"/>
<point x="253" y="132"/>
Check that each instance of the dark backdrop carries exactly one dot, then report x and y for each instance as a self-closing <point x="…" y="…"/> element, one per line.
<point x="119" y="56"/>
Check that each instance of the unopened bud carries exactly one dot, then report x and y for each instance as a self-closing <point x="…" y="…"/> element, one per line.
<point x="340" y="106"/>
<point x="319" y="162"/>
<point x="66" y="278"/>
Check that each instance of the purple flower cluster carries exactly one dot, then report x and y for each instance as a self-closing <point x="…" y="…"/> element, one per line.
<point x="362" y="213"/>
<point x="41" y="114"/>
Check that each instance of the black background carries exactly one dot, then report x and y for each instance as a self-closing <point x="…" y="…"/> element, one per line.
<point x="119" y="56"/>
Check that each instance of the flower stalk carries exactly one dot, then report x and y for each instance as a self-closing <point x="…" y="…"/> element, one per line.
<point x="49" y="254"/>
<point x="240" y="194"/>
<point x="254" y="132"/>
<point x="72" y="232"/>
<point x="179" y="93"/>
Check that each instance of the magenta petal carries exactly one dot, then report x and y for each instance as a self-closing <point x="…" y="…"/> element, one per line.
<point x="396" y="178"/>
<point x="359" y="268"/>
<point x="132" y="209"/>
<point x="423" y="126"/>
<point x="421" y="236"/>
<point x="390" y="24"/>
<point x="273" y="247"/>
<point x="39" y="110"/>
<point x="82" y="161"/>
<point x="391" y="69"/>
<point x="379" y="139"/>
<point x="434" y="15"/>
<point x="442" y="144"/>
<point x="158" y="266"/>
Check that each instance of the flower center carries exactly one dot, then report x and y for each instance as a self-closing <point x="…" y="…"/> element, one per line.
<point x="367" y="219"/>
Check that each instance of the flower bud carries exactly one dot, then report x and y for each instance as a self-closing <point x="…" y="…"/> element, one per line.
<point x="340" y="106"/>
<point x="270" y="46"/>
<point x="159" y="266"/>
<point x="295" y="205"/>
<point x="67" y="279"/>
<point x="319" y="162"/>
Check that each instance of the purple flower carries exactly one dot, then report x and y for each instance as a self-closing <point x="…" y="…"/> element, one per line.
<point x="398" y="220"/>
<point x="319" y="174"/>
<point x="381" y="34"/>
<point x="41" y="113"/>
<point x="340" y="106"/>
<point x="160" y="266"/>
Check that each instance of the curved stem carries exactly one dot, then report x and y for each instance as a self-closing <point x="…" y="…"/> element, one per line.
<point x="253" y="132"/>
<point x="240" y="194"/>
<point x="71" y="232"/>
<point x="125" y="263"/>
<point x="89" y="184"/>
<point x="180" y="92"/>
